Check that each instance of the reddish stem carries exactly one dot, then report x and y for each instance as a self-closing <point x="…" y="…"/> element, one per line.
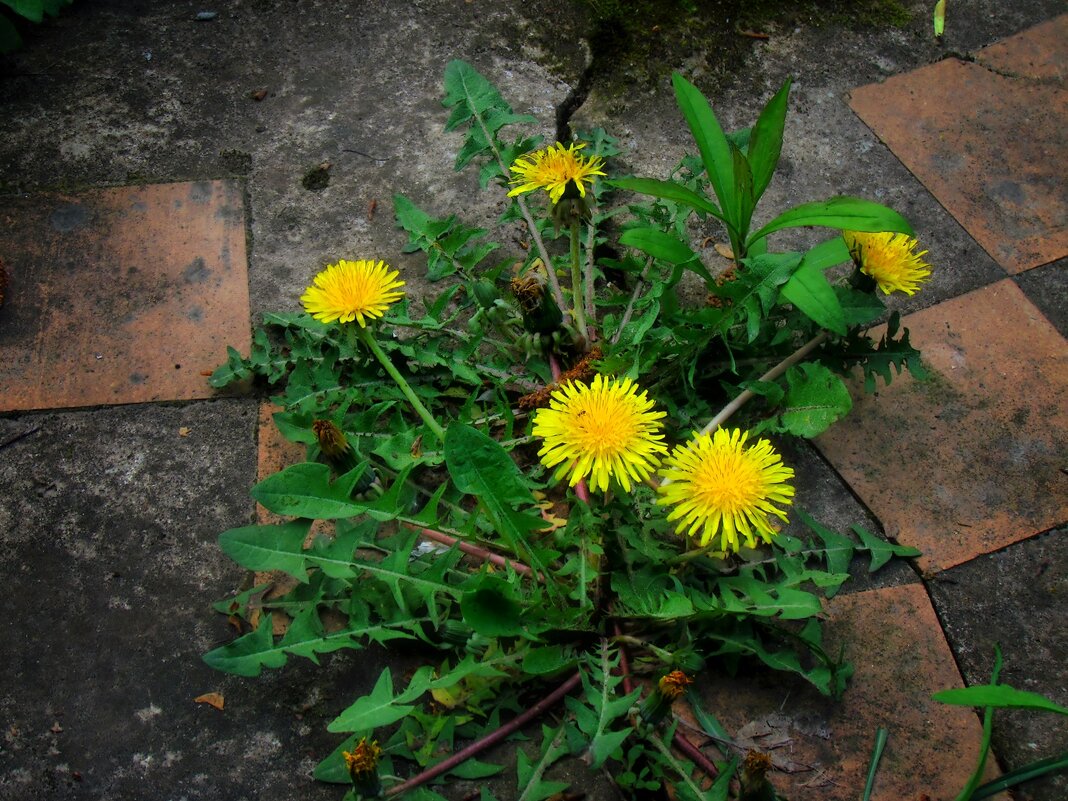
<point x="474" y="550"/>
<point x="694" y="753"/>
<point x="680" y="739"/>
<point x="492" y="738"/>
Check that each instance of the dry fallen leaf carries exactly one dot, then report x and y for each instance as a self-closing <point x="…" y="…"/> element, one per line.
<point x="211" y="699"/>
<point x="724" y="250"/>
<point x="258" y="95"/>
<point x="184" y="431"/>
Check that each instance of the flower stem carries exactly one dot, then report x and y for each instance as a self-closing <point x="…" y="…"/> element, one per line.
<point x="546" y="703"/>
<point x="369" y="340"/>
<point x="591" y="310"/>
<point x="639" y="285"/>
<point x="576" y="283"/>
<point x="770" y="375"/>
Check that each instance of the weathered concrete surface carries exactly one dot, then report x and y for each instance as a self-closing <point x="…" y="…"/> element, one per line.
<point x="109" y="517"/>
<point x="1015" y="598"/>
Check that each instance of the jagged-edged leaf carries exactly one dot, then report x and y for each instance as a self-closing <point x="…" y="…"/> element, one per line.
<point x="530" y="775"/>
<point x="249" y="654"/>
<point x="477" y="103"/>
<point x="273" y="547"/>
<point x="601" y="706"/>
<point x="305" y="490"/>
<point x="381" y="706"/>
<point x="844" y="213"/>
<point x="479" y="466"/>
<point x="881" y="550"/>
<point x="756" y="288"/>
<point x="837" y="548"/>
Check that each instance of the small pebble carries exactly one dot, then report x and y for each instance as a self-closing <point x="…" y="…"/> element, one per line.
<point x="205" y="16"/>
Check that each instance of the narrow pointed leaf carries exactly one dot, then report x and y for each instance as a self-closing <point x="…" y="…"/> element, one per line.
<point x="765" y="142"/>
<point x="1000" y="696"/>
<point x="711" y="142"/>
<point x="669" y="190"/>
<point x="843" y="213"/>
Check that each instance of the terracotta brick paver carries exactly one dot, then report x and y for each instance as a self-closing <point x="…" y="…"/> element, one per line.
<point x="121" y="295"/>
<point x="972" y="459"/>
<point x="987" y="139"/>
<point x="822" y="747"/>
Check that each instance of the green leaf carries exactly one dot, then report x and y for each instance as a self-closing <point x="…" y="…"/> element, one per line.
<point x="1026" y="773"/>
<point x="274" y="547"/>
<point x="837" y="548"/>
<point x="305" y="490"/>
<point x="711" y="143"/>
<point x="999" y="696"/>
<point x="708" y="722"/>
<point x="816" y="398"/>
<point x="845" y="213"/>
<point x="475" y="102"/>
<point x="490" y="608"/>
<point x="381" y="707"/>
<point x="479" y="466"/>
<point x="530" y="775"/>
<point x="658" y="244"/>
<point x="765" y="142"/>
<point x="548" y="659"/>
<point x="880" y="549"/>
<point x="249" y="654"/>
<point x="235" y="369"/>
<point x="810" y="292"/>
<point x="939" y="18"/>
<point x="668" y="190"/>
<point x="30" y="9"/>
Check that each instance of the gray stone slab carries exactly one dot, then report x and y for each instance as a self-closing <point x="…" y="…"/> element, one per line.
<point x="1016" y="598"/>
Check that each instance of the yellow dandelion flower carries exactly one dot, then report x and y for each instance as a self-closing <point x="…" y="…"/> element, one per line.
<point x="602" y="430"/>
<point x="889" y="259"/>
<point x="553" y="168"/>
<point x="352" y="290"/>
<point x="720" y="486"/>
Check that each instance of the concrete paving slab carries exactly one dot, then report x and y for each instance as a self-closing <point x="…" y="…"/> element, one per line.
<point x="1018" y="598"/>
<point x="109" y="564"/>
<point x="821" y="747"/>
<point x="121" y="295"/>
<point x="972" y="459"/>
<point x="987" y="141"/>
<point x="1047" y="288"/>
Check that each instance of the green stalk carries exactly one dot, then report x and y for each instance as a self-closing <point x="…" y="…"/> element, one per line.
<point x="368" y="339"/>
<point x="984" y="747"/>
<point x="876" y="755"/>
<point x="576" y="282"/>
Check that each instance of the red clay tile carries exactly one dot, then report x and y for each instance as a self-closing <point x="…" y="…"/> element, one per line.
<point x="275" y="452"/>
<point x="1037" y="53"/>
<point x="821" y="747"/>
<point x="973" y="459"/>
<point x="988" y="143"/>
<point x="121" y="295"/>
